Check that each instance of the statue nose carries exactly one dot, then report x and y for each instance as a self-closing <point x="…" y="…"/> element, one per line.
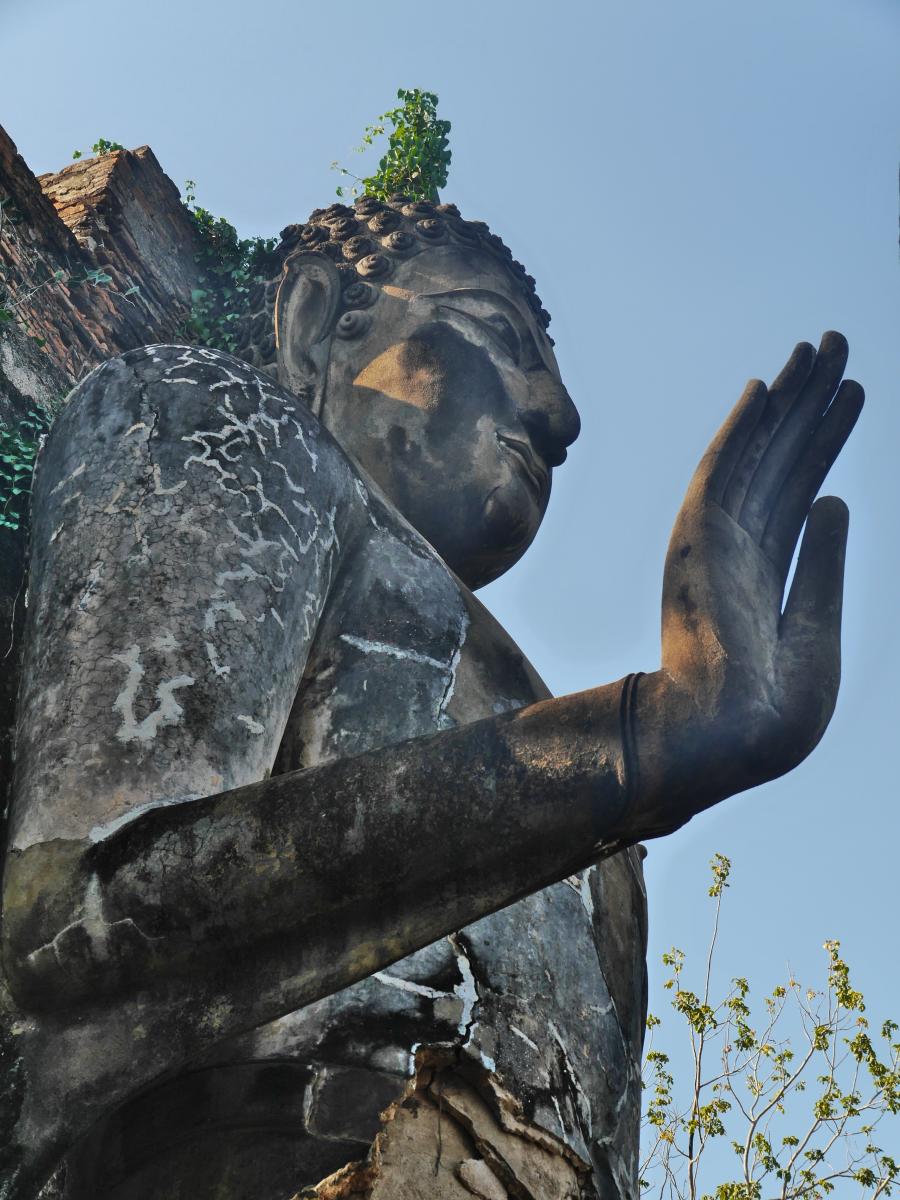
<point x="550" y="417"/>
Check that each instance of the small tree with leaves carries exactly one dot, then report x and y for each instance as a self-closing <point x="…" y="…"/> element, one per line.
<point x="418" y="154"/>
<point x="801" y="1114"/>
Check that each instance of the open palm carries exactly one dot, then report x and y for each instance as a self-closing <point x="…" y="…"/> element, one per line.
<point x="761" y="681"/>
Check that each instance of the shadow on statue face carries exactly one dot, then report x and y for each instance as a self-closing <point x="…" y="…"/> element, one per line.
<point x="447" y="393"/>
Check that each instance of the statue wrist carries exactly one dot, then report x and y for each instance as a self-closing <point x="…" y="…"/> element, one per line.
<point x="668" y="754"/>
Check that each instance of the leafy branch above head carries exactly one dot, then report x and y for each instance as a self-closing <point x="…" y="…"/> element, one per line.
<point x="417" y="159"/>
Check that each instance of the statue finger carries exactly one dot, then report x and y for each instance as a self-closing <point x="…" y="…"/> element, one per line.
<point x="788" y="384"/>
<point x="789" y="439"/>
<point x="725" y="451"/>
<point x="782" y="393"/>
<point x="810" y="629"/>
<point x="802" y="485"/>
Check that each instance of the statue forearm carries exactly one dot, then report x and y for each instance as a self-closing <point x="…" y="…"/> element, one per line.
<point x="355" y="863"/>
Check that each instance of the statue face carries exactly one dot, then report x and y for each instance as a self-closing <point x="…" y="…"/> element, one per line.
<point x="447" y="393"/>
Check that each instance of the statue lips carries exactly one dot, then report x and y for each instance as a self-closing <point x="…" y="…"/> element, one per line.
<point x="534" y="469"/>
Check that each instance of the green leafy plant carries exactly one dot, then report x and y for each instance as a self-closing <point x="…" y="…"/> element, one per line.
<point x="801" y="1110"/>
<point x="101" y="146"/>
<point x="19" y="446"/>
<point x="229" y="268"/>
<point x="418" y="153"/>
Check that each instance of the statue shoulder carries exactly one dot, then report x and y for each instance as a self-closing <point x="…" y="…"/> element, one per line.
<point x="190" y="519"/>
<point x="199" y="419"/>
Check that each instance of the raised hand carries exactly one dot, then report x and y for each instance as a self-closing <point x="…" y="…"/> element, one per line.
<point x="756" y="683"/>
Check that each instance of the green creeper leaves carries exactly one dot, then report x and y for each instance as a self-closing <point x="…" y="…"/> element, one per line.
<point x="19" y="447"/>
<point x="229" y="268"/>
<point x="418" y="155"/>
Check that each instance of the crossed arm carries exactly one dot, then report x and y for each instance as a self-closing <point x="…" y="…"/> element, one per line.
<point x="333" y="872"/>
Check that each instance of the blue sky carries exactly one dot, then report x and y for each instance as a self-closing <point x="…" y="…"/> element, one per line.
<point x="696" y="186"/>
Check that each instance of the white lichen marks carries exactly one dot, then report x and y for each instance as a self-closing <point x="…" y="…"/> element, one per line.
<point x="443" y="720"/>
<point x="79" y="470"/>
<point x="581" y="886"/>
<point x="89" y="935"/>
<point x="408" y="985"/>
<point x="370" y="647"/>
<point x="259" y="452"/>
<point x="571" y="1074"/>
<point x="87" y="597"/>
<point x="525" y="1038"/>
<point x="219" y="608"/>
<point x="301" y="438"/>
<point x="167" y="712"/>
<point x="467" y="988"/>
<point x="159" y="490"/>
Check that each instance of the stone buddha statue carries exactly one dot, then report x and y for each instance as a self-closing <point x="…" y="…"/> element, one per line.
<point x="310" y="882"/>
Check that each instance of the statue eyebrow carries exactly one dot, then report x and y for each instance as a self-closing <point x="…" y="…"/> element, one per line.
<point x="501" y="301"/>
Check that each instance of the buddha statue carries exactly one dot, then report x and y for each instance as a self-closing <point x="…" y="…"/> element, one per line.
<point x="303" y="856"/>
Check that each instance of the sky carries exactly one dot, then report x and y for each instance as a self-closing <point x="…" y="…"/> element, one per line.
<point x="696" y="186"/>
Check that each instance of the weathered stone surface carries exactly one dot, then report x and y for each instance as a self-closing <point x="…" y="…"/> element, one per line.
<point x="302" y="847"/>
<point x="118" y="212"/>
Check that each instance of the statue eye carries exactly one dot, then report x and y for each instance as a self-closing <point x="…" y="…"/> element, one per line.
<point x="499" y="329"/>
<point x="503" y="332"/>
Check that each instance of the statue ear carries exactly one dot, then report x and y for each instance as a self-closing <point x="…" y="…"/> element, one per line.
<point x="305" y="308"/>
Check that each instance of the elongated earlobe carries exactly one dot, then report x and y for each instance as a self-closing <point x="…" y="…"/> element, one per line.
<point x="305" y="310"/>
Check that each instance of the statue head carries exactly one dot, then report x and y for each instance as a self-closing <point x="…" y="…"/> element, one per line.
<point x="422" y="346"/>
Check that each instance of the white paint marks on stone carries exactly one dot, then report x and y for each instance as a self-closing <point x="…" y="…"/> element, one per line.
<point x="407" y="985"/>
<point x="467" y="989"/>
<point x="68" y="479"/>
<point x="581" y="886"/>
<point x="370" y="647"/>
<point x="99" y="832"/>
<point x="114" y="499"/>
<point x="167" y="712"/>
<point x="93" y="580"/>
<point x="245" y="571"/>
<point x="253" y="726"/>
<point x="443" y="720"/>
<point x="217" y="609"/>
<point x="99" y="933"/>
<point x="212" y="655"/>
<point x="584" y="1104"/>
<point x="525" y="1038"/>
<point x="159" y="490"/>
<point x="413" y="1051"/>
<point x="301" y="438"/>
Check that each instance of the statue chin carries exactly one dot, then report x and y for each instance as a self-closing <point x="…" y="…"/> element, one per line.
<point x="511" y="518"/>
